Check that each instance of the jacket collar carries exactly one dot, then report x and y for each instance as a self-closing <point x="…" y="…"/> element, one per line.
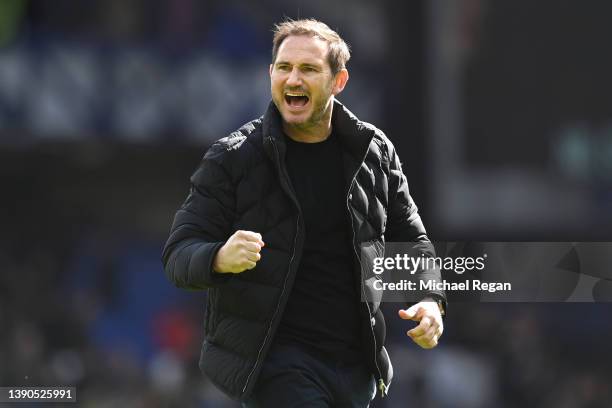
<point x="353" y="135"/>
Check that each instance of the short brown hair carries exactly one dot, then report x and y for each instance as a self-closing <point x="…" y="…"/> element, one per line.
<point x="338" y="53"/>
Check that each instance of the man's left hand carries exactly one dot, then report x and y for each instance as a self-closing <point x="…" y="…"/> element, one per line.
<point x="430" y="327"/>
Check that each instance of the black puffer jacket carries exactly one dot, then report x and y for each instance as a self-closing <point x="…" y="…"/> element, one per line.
<point x="242" y="184"/>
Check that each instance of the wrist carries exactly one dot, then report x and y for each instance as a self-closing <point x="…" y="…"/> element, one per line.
<point x="217" y="265"/>
<point x="438" y="301"/>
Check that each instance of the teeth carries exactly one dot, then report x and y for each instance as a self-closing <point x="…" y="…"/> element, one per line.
<point x="295" y="94"/>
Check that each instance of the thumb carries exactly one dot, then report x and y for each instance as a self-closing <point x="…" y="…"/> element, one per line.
<point x="254" y="237"/>
<point x="410" y="313"/>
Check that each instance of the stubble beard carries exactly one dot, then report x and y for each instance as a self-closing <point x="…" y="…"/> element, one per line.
<point x="318" y="115"/>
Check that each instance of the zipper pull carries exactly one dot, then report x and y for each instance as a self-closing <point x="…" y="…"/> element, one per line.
<point x="383" y="388"/>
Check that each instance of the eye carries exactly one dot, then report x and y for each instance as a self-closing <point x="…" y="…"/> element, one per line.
<point x="308" y="69"/>
<point x="282" y="67"/>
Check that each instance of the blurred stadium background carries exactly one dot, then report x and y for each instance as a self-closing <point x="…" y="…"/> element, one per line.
<point x="500" y="110"/>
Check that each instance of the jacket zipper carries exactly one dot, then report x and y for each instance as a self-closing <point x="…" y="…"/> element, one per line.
<point x="280" y="299"/>
<point x="381" y="382"/>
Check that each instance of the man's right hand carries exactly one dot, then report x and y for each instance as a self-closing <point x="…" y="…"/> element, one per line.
<point x="240" y="252"/>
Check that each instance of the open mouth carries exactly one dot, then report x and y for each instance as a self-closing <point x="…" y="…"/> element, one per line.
<point x="296" y="99"/>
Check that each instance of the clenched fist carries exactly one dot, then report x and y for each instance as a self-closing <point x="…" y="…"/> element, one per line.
<point x="240" y="252"/>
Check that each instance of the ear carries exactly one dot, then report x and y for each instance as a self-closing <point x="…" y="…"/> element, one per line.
<point x="340" y="81"/>
<point x="271" y="66"/>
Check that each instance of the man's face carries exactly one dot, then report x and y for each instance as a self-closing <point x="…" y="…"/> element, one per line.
<point x="301" y="81"/>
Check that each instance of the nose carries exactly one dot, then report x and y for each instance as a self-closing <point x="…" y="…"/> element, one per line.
<point x="294" y="78"/>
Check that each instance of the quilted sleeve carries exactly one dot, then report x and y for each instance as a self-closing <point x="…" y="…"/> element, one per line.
<point x="201" y="225"/>
<point x="404" y="223"/>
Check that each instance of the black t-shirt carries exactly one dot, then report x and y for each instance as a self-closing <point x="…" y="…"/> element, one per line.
<point x="322" y="313"/>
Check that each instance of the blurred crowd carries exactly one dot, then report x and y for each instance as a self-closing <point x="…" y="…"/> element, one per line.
<point x="144" y="71"/>
<point x="83" y="298"/>
<point x="104" y="319"/>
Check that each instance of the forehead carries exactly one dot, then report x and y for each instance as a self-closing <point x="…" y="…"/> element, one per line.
<point x="302" y="48"/>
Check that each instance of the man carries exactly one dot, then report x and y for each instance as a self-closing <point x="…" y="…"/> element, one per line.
<point x="273" y="227"/>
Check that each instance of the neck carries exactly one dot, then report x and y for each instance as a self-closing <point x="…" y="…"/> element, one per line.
<point x="311" y="133"/>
